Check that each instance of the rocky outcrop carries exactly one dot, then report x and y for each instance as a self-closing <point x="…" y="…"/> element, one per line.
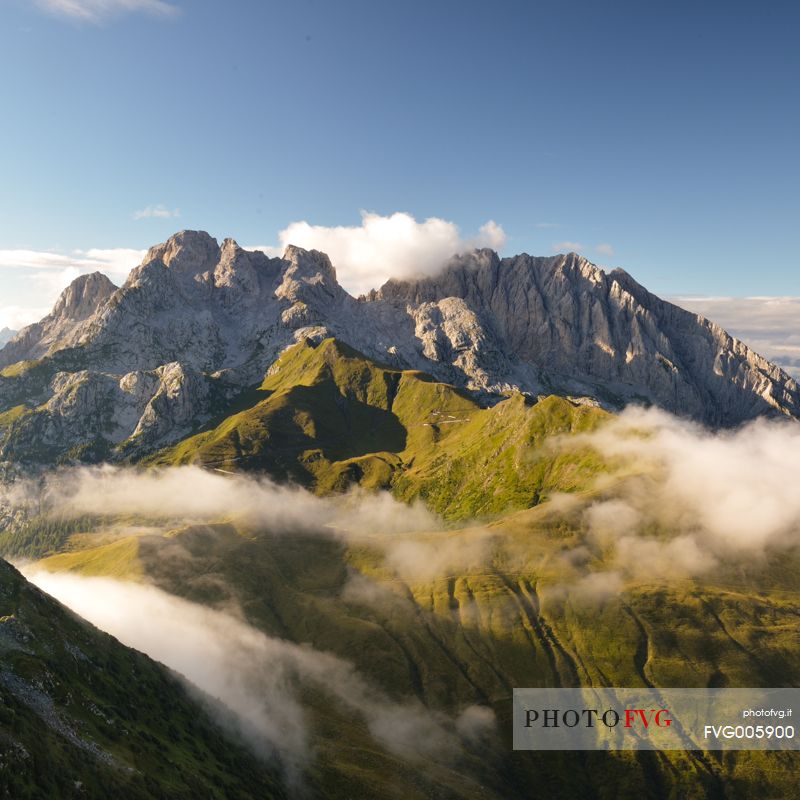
<point x="141" y="366"/>
<point x="62" y="327"/>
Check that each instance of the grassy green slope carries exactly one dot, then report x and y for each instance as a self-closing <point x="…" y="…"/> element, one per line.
<point x="512" y="618"/>
<point x="328" y="418"/>
<point x="83" y="716"/>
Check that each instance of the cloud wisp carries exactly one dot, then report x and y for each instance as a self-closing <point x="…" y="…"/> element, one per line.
<point x="98" y="11"/>
<point x="194" y="494"/>
<point x="602" y="249"/>
<point x="383" y="247"/>
<point x="414" y="542"/>
<point x="114" y="261"/>
<point x="258" y="678"/>
<point x="50" y="273"/>
<point x="568" y="247"/>
<point x="157" y="212"/>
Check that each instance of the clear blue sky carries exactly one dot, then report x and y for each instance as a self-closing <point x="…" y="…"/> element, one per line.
<point x="668" y="130"/>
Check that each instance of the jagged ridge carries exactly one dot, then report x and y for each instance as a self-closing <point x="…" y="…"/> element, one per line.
<point x="132" y="369"/>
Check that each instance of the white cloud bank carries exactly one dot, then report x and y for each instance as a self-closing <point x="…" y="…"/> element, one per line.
<point x="690" y="500"/>
<point x="100" y="10"/>
<point x="414" y="541"/>
<point x="681" y="500"/>
<point x="395" y="246"/>
<point x="735" y="488"/>
<point x="190" y="493"/>
<point x="16" y="317"/>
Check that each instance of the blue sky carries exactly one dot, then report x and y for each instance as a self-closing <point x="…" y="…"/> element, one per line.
<point x="659" y="137"/>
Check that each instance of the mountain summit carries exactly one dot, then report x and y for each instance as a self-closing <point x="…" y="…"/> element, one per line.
<point x="198" y="322"/>
<point x="62" y="326"/>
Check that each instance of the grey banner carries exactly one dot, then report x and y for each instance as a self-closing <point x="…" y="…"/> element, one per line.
<point x="656" y="719"/>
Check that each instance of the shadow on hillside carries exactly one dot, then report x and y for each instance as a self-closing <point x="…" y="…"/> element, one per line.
<point x="304" y="589"/>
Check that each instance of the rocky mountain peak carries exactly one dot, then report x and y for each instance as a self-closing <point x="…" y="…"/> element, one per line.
<point x="187" y="252"/>
<point x="237" y="270"/>
<point x="308" y="277"/>
<point x="309" y="264"/>
<point x="83" y="297"/>
<point x="63" y="326"/>
<point x="574" y="263"/>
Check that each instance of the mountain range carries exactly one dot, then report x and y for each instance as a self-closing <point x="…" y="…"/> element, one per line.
<point x="116" y="372"/>
<point x="502" y="558"/>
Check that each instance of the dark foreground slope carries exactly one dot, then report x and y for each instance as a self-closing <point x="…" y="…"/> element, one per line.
<point x="83" y="716"/>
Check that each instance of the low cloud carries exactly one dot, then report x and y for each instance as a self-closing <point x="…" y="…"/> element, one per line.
<point x="100" y="10"/>
<point x="260" y="679"/>
<point x="157" y="212"/>
<point x="678" y="501"/>
<point x="475" y="723"/>
<point x="683" y="501"/>
<point x="730" y="485"/>
<point x="439" y="556"/>
<point x="769" y="325"/>
<point x="395" y="246"/>
<point x="194" y="494"/>
<point x="593" y="587"/>
<point x="413" y="542"/>
<point x="604" y="249"/>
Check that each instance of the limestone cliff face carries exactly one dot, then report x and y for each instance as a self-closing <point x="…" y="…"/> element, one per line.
<point x="571" y="319"/>
<point x="197" y="322"/>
